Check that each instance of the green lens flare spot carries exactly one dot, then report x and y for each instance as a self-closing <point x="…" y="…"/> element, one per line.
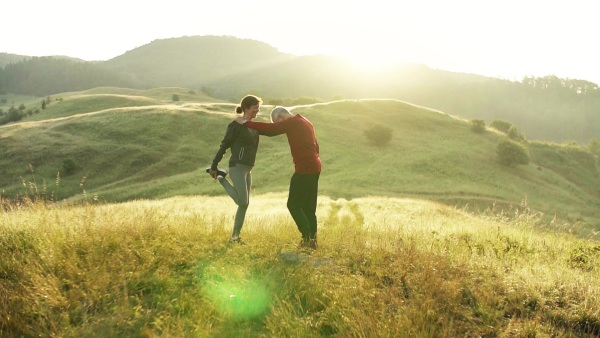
<point x="244" y="298"/>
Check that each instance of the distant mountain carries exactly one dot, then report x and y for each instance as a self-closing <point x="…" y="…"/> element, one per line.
<point x="325" y="77"/>
<point x="228" y="68"/>
<point x="225" y="67"/>
<point x="193" y="60"/>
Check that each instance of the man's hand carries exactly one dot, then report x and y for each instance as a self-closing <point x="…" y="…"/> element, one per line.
<point x="239" y="120"/>
<point x="213" y="173"/>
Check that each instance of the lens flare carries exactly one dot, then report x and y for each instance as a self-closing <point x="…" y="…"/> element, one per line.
<point x="242" y="298"/>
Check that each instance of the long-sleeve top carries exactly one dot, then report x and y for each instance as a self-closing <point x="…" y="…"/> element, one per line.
<point x="243" y="142"/>
<point x="301" y="137"/>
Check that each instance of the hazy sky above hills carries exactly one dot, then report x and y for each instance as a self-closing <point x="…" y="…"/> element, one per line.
<point x="500" y="38"/>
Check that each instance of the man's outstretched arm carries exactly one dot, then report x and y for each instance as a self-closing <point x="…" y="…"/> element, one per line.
<point x="267" y="129"/>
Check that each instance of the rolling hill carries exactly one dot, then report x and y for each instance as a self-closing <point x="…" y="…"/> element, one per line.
<point x="116" y="144"/>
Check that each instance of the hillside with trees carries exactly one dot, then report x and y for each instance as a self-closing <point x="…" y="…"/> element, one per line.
<point x="6" y="58"/>
<point x="544" y="108"/>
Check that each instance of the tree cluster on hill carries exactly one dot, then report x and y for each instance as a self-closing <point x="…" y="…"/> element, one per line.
<point x="16" y="114"/>
<point x="563" y="86"/>
<point x="41" y="76"/>
<point x="6" y="59"/>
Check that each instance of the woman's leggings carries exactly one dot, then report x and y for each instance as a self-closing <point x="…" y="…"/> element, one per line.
<point x="241" y="177"/>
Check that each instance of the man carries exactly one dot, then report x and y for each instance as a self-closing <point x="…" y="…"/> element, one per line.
<point x="304" y="185"/>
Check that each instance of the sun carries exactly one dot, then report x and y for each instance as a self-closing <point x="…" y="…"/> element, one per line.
<point x="369" y="54"/>
<point x="370" y="60"/>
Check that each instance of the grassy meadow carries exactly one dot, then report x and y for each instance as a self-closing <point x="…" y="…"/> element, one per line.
<point x="386" y="267"/>
<point x="427" y="236"/>
<point x="129" y="144"/>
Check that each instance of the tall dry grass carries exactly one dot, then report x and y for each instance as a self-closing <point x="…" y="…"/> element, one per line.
<point x="386" y="267"/>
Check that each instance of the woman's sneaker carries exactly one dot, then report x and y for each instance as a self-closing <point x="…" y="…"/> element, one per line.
<point x="220" y="172"/>
<point x="236" y="240"/>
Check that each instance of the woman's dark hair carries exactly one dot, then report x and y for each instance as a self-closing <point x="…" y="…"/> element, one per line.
<point x="247" y="102"/>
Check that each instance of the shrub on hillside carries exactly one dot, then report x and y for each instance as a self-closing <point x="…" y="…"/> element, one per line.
<point x="511" y="153"/>
<point x="513" y="134"/>
<point x="13" y="115"/>
<point x="579" y="154"/>
<point x="478" y="126"/>
<point x="594" y="147"/>
<point x="305" y="100"/>
<point x="379" y="135"/>
<point x="501" y="125"/>
<point x="68" y="166"/>
<point x="276" y="102"/>
<point x="175" y="97"/>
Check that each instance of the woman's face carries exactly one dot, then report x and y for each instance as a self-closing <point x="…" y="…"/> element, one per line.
<point x="253" y="111"/>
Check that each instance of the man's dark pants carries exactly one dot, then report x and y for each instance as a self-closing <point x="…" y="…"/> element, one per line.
<point x="302" y="203"/>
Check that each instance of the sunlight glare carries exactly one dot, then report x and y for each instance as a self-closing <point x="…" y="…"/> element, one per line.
<point x="370" y="60"/>
<point x="236" y="295"/>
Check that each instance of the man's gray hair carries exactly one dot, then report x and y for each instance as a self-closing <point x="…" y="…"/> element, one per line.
<point x="279" y="112"/>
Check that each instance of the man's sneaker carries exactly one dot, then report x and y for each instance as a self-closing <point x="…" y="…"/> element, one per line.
<point x="302" y="244"/>
<point x="220" y="172"/>
<point x="308" y="244"/>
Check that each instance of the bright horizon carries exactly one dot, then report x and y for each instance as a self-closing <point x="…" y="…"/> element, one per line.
<point x="505" y="39"/>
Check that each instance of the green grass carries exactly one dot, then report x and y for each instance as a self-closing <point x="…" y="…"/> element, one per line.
<point x="131" y="144"/>
<point x="386" y="267"/>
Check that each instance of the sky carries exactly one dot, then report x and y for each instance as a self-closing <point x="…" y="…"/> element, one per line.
<point x="507" y="39"/>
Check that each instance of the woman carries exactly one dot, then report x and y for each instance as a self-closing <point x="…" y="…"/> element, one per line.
<point x="243" y="142"/>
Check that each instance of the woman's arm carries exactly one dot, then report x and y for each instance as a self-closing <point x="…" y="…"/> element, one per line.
<point x="225" y="144"/>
